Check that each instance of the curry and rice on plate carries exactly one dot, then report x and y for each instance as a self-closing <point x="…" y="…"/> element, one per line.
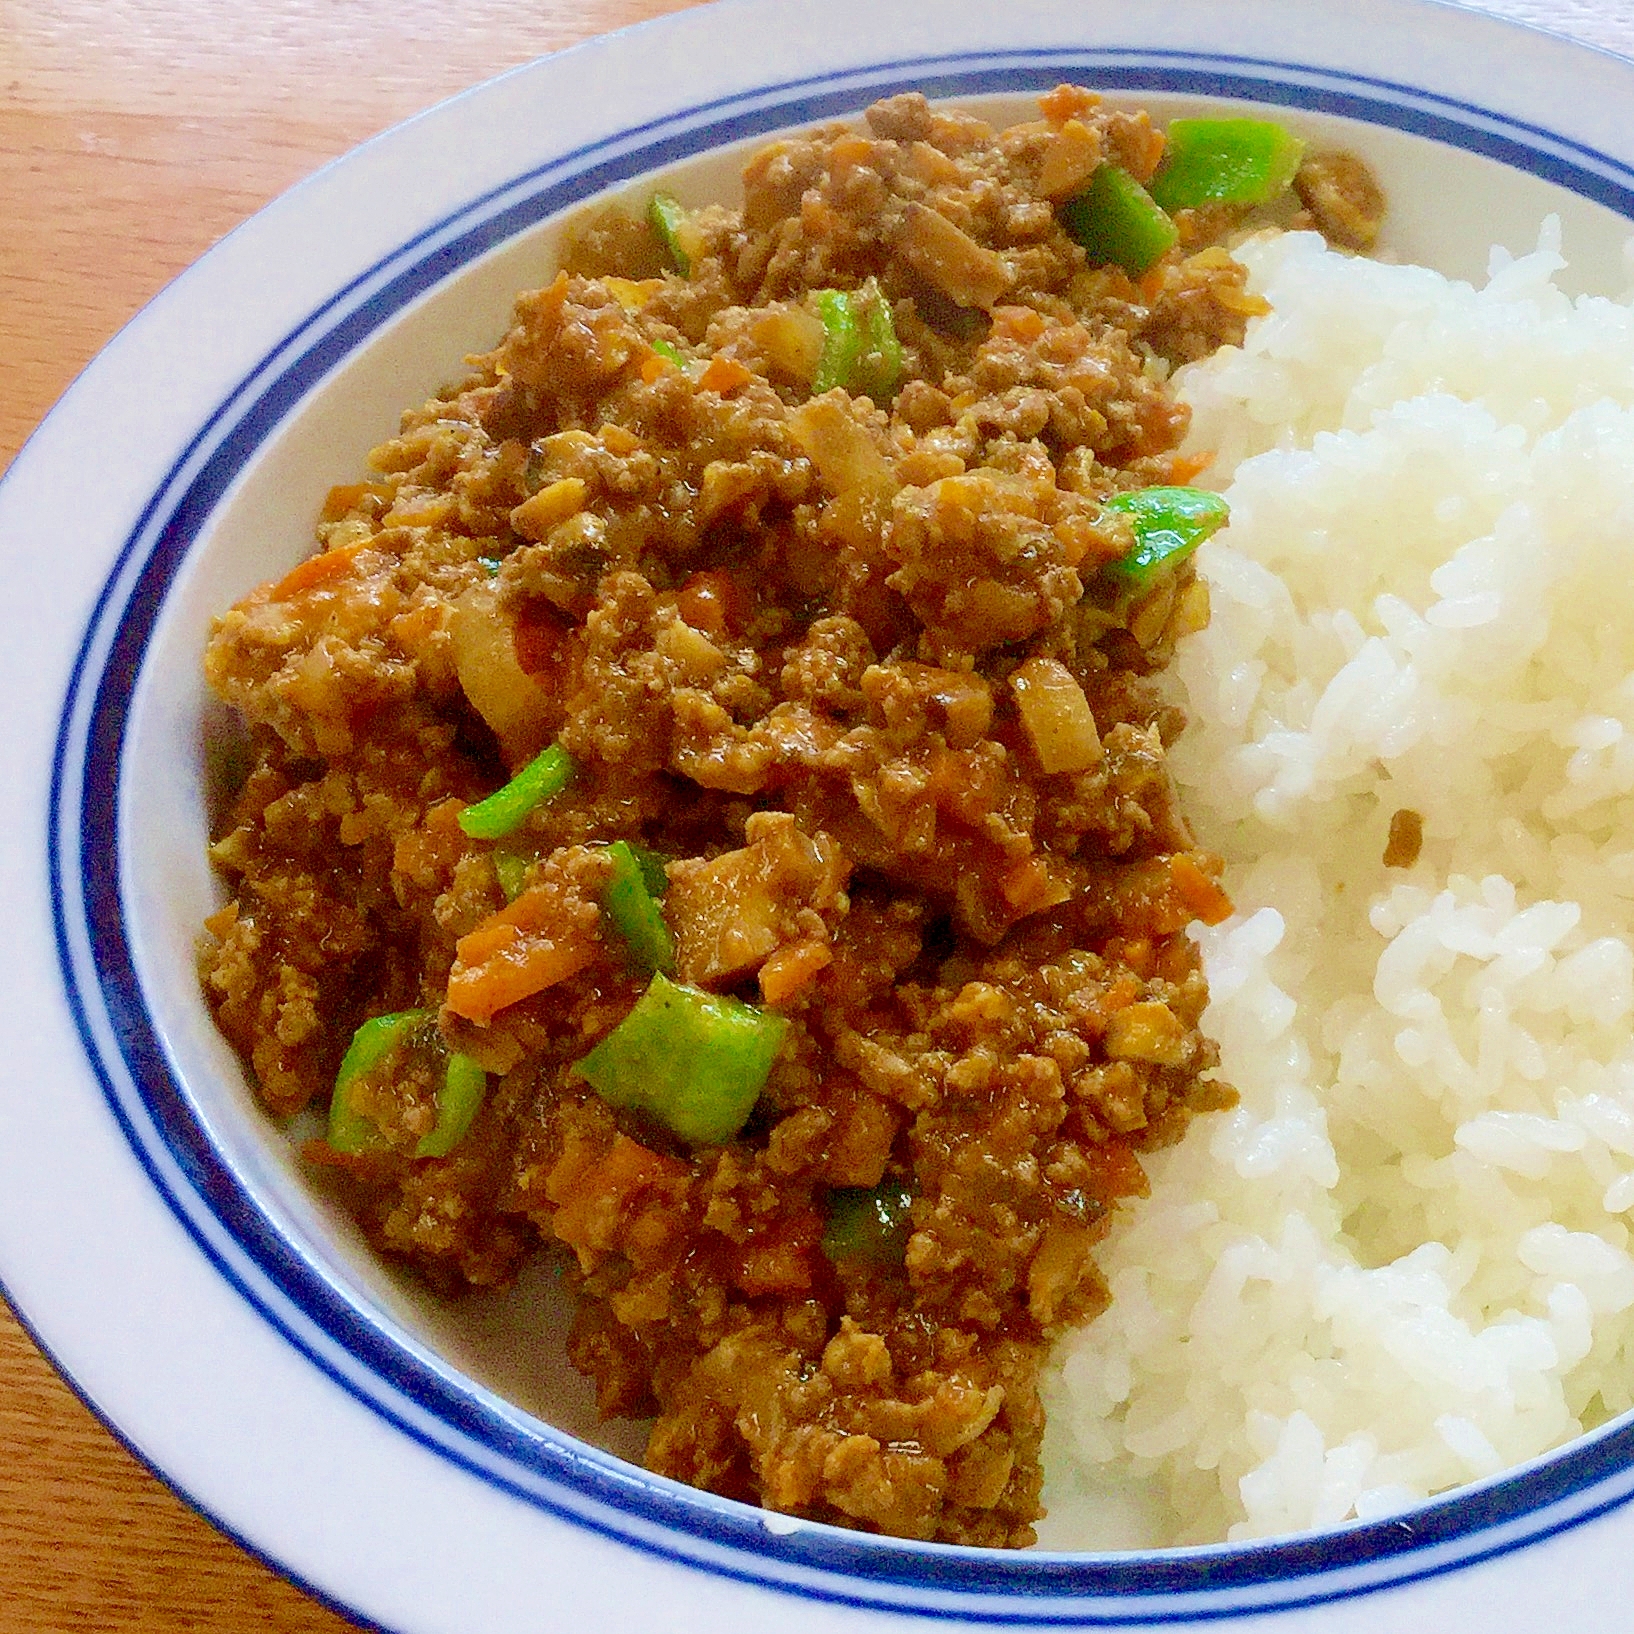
<point x="718" y="806"/>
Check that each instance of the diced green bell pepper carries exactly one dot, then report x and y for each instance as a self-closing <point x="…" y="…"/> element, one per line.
<point x="543" y="778"/>
<point x="1225" y="161"/>
<point x="860" y="350"/>
<point x="841" y="342"/>
<point x="458" y="1100"/>
<point x="869" y="1226"/>
<point x="695" y="1061"/>
<point x="511" y="870"/>
<point x="653" y="866"/>
<point x="634" y="913"/>
<point x="879" y="366"/>
<point x="670" y="354"/>
<point x="349" y="1130"/>
<point x="1118" y="223"/>
<point x="463" y="1087"/>
<point x="666" y="216"/>
<point x="1169" y="523"/>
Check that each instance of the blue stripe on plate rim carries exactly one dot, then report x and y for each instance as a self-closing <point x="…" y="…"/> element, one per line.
<point x="391" y="1373"/>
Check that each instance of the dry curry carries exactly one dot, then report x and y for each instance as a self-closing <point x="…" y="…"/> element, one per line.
<point x="708" y="807"/>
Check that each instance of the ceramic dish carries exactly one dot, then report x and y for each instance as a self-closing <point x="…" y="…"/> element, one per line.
<point x="416" y="1467"/>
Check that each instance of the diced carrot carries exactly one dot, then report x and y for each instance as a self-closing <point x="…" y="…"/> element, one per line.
<point x="345" y="496"/>
<point x="851" y="150"/>
<point x="1183" y="467"/>
<point x="631" y="1166"/>
<point x="222" y="920"/>
<point x="1151" y="282"/>
<point x="1135" y="951"/>
<point x="714" y="602"/>
<point x="536" y="909"/>
<point x="817" y="219"/>
<point x="632" y="293"/>
<point x="423" y="854"/>
<point x="1203" y="897"/>
<point x="1021" y="323"/>
<point x="967" y="784"/>
<point x="490" y="939"/>
<point x="512" y="966"/>
<point x="323" y="568"/>
<point x="1141" y="162"/>
<point x="1120" y="995"/>
<point x="428" y="514"/>
<point x="414" y="629"/>
<point x="653" y="1234"/>
<point x="653" y="368"/>
<point x="1147" y="1031"/>
<point x="724" y="375"/>
<point x="443" y="820"/>
<point x="791" y="968"/>
<point x="514" y="953"/>
<point x="617" y="439"/>
<point x="499" y="931"/>
<point x="931" y="164"/>
<point x="340" y="499"/>
<point x="1030" y="887"/>
<point x="1066" y="102"/>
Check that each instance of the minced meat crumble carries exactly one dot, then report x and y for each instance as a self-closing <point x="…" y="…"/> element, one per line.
<point x="851" y="671"/>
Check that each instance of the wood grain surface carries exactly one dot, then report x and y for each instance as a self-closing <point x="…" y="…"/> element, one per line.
<point x="133" y="134"/>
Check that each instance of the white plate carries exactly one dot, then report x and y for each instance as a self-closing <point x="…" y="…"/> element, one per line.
<point x="154" y="1231"/>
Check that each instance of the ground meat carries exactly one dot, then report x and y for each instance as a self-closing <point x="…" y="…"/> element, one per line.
<point x="801" y="646"/>
<point x="1405" y="840"/>
<point x="1345" y="202"/>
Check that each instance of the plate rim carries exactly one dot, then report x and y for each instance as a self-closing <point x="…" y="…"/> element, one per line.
<point x="1626" y="194"/>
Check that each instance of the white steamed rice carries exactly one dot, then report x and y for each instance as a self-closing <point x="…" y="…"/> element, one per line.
<point x="1403" y="1262"/>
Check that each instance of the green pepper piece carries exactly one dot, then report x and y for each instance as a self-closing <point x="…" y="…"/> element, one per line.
<point x="667" y="218"/>
<point x="1225" y="161"/>
<point x="511" y="870"/>
<point x="1170" y="523"/>
<point x="634" y="913"/>
<point x="654" y="873"/>
<point x="349" y="1130"/>
<point x="869" y="1225"/>
<point x="879" y="359"/>
<point x="696" y="1061"/>
<point x="860" y="350"/>
<point x="543" y="778"/>
<point x="1118" y="223"/>
<point x="841" y="341"/>
<point x="463" y="1087"/>
<point x="670" y="354"/>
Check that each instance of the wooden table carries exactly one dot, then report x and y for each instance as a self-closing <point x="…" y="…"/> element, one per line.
<point x="133" y="134"/>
